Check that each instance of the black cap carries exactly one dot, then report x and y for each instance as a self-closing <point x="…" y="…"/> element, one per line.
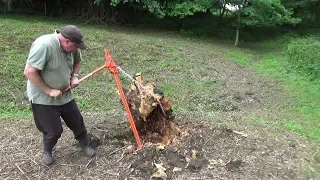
<point x="74" y="34"/>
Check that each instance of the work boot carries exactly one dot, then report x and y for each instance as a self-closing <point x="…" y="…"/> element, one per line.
<point x="88" y="150"/>
<point x="47" y="158"/>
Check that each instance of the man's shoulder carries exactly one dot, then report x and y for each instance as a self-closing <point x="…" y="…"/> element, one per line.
<point x="46" y="40"/>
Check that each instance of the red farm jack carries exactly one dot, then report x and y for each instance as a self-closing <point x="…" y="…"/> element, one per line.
<point x="113" y="69"/>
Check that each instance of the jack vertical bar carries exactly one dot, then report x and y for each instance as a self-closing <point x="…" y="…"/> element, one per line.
<point x="113" y="69"/>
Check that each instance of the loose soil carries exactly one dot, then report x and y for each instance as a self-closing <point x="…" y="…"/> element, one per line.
<point x="210" y="146"/>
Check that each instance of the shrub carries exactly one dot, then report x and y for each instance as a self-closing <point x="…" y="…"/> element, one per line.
<point x="304" y="55"/>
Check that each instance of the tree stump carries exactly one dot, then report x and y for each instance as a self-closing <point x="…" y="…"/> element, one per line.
<point x="153" y="116"/>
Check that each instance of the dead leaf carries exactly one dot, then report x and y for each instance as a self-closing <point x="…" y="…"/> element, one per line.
<point x="212" y="163"/>
<point x="194" y="154"/>
<point x="130" y="149"/>
<point x="160" y="172"/>
<point x="188" y="161"/>
<point x="240" y="133"/>
<point x="176" y="169"/>
<point x="160" y="147"/>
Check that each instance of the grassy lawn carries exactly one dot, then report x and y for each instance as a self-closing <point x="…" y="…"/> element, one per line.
<point x="303" y="116"/>
<point x="180" y="66"/>
<point x="134" y="50"/>
<point x="200" y="76"/>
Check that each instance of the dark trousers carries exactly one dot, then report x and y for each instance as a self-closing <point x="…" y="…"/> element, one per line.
<point x="47" y="120"/>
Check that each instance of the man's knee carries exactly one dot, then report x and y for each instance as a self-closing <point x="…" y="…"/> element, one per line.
<point x="56" y="134"/>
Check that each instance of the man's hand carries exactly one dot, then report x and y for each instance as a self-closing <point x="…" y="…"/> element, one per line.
<point x="74" y="82"/>
<point x="55" y="93"/>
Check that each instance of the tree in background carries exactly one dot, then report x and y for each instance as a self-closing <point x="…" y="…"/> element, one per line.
<point x="245" y="13"/>
<point x="171" y="8"/>
<point x="7" y="4"/>
<point x="307" y="10"/>
<point x="261" y="13"/>
<point x="254" y="13"/>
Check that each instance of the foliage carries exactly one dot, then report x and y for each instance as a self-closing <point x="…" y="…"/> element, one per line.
<point x="187" y="8"/>
<point x="154" y="7"/>
<point x="298" y="3"/>
<point x="307" y="10"/>
<point x="174" y="8"/>
<point x="267" y="13"/>
<point x="97" y="1"/>
<point x="254" y="12"/>
<point x="303" y="54"/>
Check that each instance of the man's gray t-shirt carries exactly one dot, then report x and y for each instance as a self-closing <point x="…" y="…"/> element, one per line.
<point x="55" y="67"/>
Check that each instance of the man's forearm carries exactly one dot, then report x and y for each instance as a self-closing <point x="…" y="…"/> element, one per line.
<point x="76" y="68"/>
<point x="37" y="81"/>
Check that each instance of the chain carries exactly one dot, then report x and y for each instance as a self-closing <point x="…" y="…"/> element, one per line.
<point x="130" y="77"/>
<point x="146" y="89"/>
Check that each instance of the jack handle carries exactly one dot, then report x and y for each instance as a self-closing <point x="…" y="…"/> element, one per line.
<point x="109" y="64"/>
<point x="86" y="76"/>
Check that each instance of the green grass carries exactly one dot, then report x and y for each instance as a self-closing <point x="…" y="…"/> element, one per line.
<point x="303" y="117"/>
<point x="163" y="57"/>
<point x="180" y="66"/>
<point x="239" y="57"/>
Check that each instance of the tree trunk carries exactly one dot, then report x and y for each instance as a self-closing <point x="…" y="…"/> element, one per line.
<point x="9" y="5"/>
<point x="238" y="29"/>
<point x="45" y="8"/>
<point x="239" y="23"/>
<point x="152" y="115"/>
<point x="237" y="37"/>
<point x="60" y="7"/>
<point x="221" y="14"/>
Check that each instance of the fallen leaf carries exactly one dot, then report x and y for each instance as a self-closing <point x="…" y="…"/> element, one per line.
<point x="176" y="169"/>
<point x="130" y="149"/>
<point x="212" y="163"/>
<point x="188" y="161"/>
<point x="194" y="154"/>
<point x="160" y="147"/>
<point x="160" y="172"/>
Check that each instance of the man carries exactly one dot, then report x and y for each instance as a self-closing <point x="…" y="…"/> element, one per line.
<point x="53" y="64"/>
